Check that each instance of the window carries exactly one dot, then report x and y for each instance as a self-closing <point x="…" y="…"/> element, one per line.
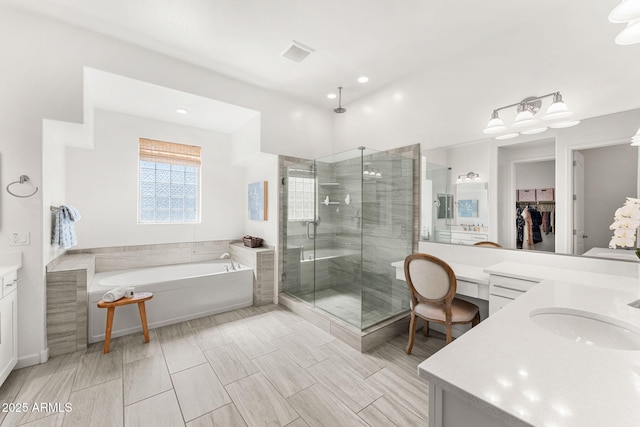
<point x="169" y="182"/>
<point x="301" y="198"/>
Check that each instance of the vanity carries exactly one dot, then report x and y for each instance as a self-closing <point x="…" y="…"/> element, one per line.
<point x="512" y="370"/>
<point x="10" y="263"/>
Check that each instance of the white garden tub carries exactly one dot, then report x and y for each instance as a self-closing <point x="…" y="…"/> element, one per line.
<point x="180" y="292"/>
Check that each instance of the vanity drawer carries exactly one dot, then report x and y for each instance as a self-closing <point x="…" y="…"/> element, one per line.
<point x="467" y="288"/>
<point x="9" y="282"/>
<point x="510" y="284"/>
<point x="497" y="302"/>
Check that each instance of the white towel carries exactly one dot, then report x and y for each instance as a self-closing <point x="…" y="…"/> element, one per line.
<point x="114" y="294"/>
<point x="64" y="234"/>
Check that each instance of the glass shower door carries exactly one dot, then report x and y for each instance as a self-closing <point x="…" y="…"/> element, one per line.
<point x="300" y="229"/>
<point x="338" y="242"/>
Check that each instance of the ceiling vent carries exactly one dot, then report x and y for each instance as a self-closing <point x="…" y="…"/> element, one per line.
<point x="297" y="51"/>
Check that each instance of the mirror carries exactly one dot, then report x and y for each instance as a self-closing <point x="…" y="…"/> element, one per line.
<point x="444" y="203"/>
<point x="542" y="169"/>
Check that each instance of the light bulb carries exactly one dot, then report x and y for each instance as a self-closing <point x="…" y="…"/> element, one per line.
<point x="524" y="118"/>
<point x="629" y="35"/>
<point x="495" y="124"/>
<point x="626" y="11"/>
<point x="558" y="109"/>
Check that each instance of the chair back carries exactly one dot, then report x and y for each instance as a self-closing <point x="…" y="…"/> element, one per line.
<point x="429" y="278"/>
<point x="489" y="244"/>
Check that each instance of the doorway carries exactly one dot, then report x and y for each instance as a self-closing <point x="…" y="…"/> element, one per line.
<point x="610" y="176"/>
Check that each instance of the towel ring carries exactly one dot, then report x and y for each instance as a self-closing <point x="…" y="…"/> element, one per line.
<point x="22" y="180"/>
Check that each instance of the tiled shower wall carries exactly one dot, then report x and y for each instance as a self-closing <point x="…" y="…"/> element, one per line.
<point x="380" y="247"/>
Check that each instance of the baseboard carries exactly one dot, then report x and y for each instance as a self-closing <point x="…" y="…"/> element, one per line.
<point x="28" y="360"/>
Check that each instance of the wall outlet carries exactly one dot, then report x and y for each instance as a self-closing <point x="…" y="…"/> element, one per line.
<point x="19" y="238"/>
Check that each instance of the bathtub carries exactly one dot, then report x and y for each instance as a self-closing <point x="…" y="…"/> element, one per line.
<point x="180" y="292"/>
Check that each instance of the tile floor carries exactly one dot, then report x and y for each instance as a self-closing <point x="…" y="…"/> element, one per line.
<point x="257" y="366"/>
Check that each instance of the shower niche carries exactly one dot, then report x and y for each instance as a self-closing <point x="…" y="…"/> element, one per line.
<point x="347" y="217"/>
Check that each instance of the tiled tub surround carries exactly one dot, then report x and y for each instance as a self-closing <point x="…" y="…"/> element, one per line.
<point x="126" y="257"/>
<point x="70" y="274"/>
<point x="67" y="282"/>
<point x="181" y="292"/>
<point x="262" y="261"/>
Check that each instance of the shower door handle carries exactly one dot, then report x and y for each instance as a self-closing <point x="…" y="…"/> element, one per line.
<point x="314" y="230"/>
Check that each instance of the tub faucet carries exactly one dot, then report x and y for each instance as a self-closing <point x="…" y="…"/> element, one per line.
<point x="227" y="256"/>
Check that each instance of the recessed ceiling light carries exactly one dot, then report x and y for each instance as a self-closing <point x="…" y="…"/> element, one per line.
<point x="363" y="79"/>
<point x="332" y="96"/>
<point x="181" y="111"/>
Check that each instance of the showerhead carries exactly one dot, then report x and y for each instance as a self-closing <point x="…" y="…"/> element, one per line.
<point x="340" y="109"/>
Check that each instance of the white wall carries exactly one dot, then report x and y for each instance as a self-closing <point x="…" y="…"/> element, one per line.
<point x="618" y="163"/>
<point x="245" y="142"/>
<point x="43" y="79"/>
<point x="103" y="184"/>
<point x="597" y="132"/>
<point x="469" y="158"/>
<point x="533" y="175"/>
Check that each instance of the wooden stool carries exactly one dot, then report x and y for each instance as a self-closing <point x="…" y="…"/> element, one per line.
<point x="138" y="298"/>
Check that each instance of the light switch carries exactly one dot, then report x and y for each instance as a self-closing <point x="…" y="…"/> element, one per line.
<point x="19" y="238"/>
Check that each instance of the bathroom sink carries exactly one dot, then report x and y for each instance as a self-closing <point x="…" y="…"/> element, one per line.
<point x="587" y="328"/>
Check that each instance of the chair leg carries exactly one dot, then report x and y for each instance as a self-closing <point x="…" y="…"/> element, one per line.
<point x="449" y="337"/>
<point x="425" y="328"/>
<point x="475" y="320"/>
<point x="412" y="332"/>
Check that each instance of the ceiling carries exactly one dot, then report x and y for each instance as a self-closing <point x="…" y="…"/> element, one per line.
<point x="541" y="46"/>
<point x="111" y="92"/>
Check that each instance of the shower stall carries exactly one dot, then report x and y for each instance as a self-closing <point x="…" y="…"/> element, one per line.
<point x="347" y="217"/>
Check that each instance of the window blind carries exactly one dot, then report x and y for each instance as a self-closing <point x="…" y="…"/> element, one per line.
<point x="169" y="152"/>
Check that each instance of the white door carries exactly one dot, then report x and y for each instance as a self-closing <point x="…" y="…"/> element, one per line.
<point x="578" y="203"/>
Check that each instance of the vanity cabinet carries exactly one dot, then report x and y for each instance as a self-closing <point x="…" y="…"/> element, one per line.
<point x="468" y="238"/>
<point x="504" y="289"/>
<point x="8" y="324"/>
<point x="461" y="237"/>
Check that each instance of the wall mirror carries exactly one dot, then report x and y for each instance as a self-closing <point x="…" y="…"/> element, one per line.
<point x="536" y="174"/>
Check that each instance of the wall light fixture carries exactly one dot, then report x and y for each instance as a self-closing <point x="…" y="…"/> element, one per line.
<point x="627" y="12"/>
<point x="469" y="177"/>
<point x="526" y="119"/>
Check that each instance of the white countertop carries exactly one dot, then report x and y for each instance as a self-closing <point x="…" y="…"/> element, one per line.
<point x="538" y="273"/>
<point x="509" y="366"/>
<point x="10" y="261"/>
<point x="622" y="254"/>
<point x="468" y="273"/>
